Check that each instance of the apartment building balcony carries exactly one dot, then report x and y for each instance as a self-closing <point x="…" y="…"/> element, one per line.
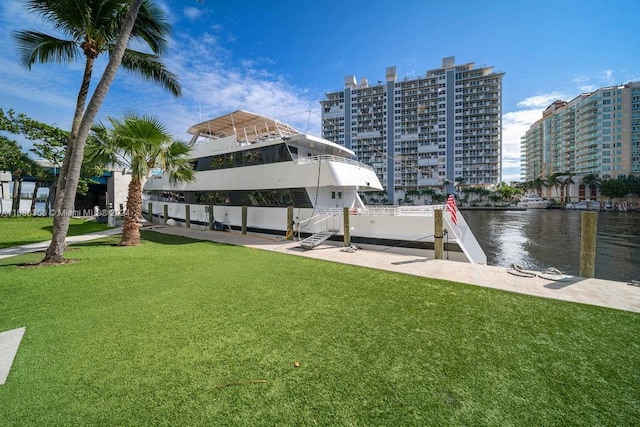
<point x="429" y="162"/>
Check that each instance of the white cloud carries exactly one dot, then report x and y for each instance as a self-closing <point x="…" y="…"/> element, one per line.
<point x="213" y="85"/>
<point x="214" y="80"/>
<point x="515" y="124"/>
<point x="585" y="83"/>
<point x="192" y="13"/>
<point x="540" y="101"/>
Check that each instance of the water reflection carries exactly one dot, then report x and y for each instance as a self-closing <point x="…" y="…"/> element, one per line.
<point x="543" y="238"/>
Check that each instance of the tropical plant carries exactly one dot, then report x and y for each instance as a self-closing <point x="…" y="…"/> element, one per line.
<point x="410" y="195"/>
<point x="565" y="184"/>
<point x="140" y="144"/>
<point x="507" y="192"/>
<point x="592" y="182"/>
<point x="615" y="188"/>
<point x="92" y="29"/>
<point x="19" y="164"/>
<point x="554" y="181"/>
<point x="537" y="185"/>
<point x="439" y="198"/>
<point x="634" y="184"/>
<point x="48" y="143"/>
<point x="428" y="194"/>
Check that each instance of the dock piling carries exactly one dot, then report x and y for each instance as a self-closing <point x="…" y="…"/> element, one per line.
<point x="588" y="232"/>
<point x="438" y="233"/>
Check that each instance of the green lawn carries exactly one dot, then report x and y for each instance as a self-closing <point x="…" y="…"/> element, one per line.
<point x="181" y="332"/>
<point x="21" y="230"/>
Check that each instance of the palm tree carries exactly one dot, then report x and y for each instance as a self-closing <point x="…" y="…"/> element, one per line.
<point x="591" y="181"/>
<point x="553" y="180"/>
<point x="537" y="184"/>
<point x="410" y="195"/>
<point x="566" y="183"/>
<point x="100" y="27"/>
<point x="138" y="143"/>
<point x="428" y="193"/>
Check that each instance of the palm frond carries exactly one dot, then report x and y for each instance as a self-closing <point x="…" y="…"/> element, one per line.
<point x="102" y="149"/>
<point x="151" y="68"/>
<point x="144" y="140"/>
<point x="35" y="47"/>
<point x="152" y="25"/>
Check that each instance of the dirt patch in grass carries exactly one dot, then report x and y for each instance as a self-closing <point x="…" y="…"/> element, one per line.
<point x="42" y="264"/>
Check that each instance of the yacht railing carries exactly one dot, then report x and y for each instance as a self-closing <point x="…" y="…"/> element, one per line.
<point x="330" y="158"/>
<point x="426" y="210"/>
<point x="322" y="216"/>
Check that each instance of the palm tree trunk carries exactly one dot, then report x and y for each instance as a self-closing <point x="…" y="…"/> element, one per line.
<point x="68" y="182"/>
<point x="61" y="211"/>
<point x="131" y="227"/>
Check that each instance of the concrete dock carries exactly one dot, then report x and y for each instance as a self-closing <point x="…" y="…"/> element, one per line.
<point x="605" y="293"/>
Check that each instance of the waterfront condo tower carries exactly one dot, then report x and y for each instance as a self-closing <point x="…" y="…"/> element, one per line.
<point x="437" y="130"/>
<point x="596" y="133"/>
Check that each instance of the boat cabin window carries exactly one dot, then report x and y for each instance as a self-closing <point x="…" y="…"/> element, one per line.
<point x="296" y="197"/>
<point x="251" y="157"/>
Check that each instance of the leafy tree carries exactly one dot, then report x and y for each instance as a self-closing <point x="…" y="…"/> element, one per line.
<point x="634" y="184"/>
<point x="43" y="176"/>
<point x="94" y="28"/>
<point x="49" y="143"/>
<point x="139" y="143"/>
<point x="615" y="188"/>
<point x="507" y="192"/>
<point x="12" y="159"/>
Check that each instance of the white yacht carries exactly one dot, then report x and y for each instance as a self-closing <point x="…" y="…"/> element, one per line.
<point x="533" y="201"/>
<point x="248" y="164"/>
<point x="584" y="205"/>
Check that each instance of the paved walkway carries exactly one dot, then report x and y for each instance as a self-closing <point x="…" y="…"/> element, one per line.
<point x="42" y="246"/>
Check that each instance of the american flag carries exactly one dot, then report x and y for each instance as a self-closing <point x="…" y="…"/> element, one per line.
<point x="451" y="207"/>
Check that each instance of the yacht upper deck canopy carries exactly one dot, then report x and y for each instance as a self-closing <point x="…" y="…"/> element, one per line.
<point x="244" y="125"/>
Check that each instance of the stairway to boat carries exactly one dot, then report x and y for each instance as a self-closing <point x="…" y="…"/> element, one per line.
<point x="315" y="239"/>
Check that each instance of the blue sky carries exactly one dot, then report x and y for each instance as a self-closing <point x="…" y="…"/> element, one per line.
<point x="280" y="58"/>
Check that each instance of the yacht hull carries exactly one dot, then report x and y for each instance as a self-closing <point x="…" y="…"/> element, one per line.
<point x="407" y="230"/>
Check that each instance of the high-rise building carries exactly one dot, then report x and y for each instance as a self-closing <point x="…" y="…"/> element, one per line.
<point x="434" y="130"/>
<point x="596" y="133"/>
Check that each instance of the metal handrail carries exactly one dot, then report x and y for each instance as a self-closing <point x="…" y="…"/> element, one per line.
<point x="331" y="158"/>
<point x="426" y="210"/>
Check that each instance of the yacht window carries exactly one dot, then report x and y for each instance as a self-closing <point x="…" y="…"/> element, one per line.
<point x="333" y="194"/>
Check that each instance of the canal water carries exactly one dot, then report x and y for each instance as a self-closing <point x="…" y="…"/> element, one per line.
<point x="541" y="238"/>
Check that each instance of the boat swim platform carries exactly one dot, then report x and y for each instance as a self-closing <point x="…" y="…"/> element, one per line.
<point x="599" y="292"/>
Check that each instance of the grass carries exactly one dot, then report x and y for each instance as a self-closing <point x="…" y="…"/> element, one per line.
<point x="22" y="230"/>
<point x="182" y="332"/>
